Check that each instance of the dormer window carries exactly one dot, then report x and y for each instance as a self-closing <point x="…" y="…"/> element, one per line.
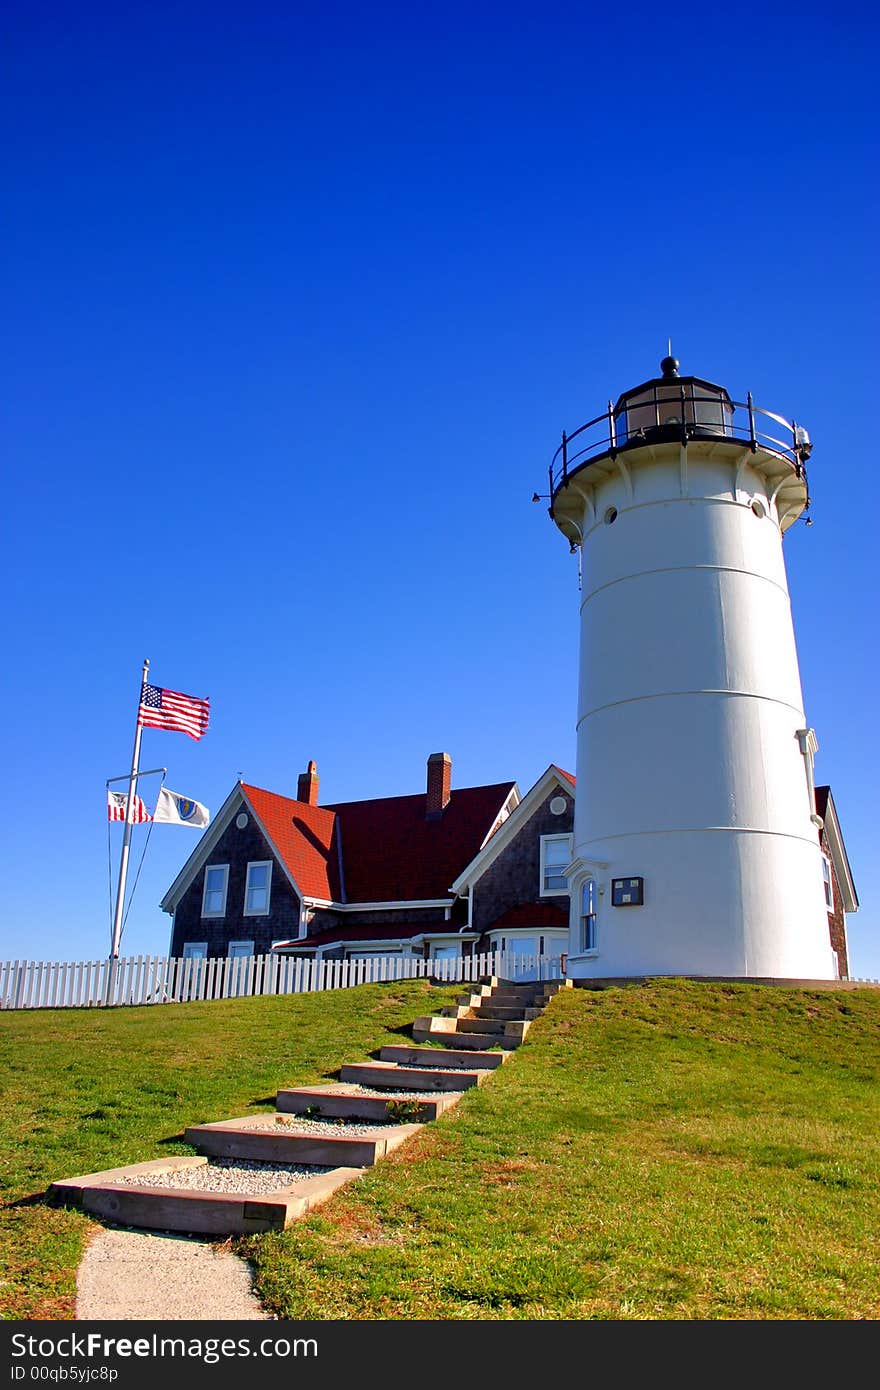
<point x="555" y="859"/>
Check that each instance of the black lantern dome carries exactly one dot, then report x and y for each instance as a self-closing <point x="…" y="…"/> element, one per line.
<point x="672" y="406"/>
<point x="671" y="410"/>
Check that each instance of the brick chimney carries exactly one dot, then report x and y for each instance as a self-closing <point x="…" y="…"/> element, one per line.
<point x="307" y="785"/>
<point x="439" y="784"/>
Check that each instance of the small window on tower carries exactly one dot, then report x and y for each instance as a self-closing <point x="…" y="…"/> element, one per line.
<point x="588" y="915"/>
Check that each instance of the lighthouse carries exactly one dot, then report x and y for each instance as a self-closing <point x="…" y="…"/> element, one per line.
<point x="696" y="839"/>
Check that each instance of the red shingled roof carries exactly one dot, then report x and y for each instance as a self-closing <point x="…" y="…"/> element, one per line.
<point x="531" y="915"/>
<point x="305" y="837"/>
<point x="567" y="775"/>
<point x="390" y="931"/>
<point x="390" y="851"/>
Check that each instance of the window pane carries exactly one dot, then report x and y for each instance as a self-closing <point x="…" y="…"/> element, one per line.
<point x="258" y="875"/>
<point x="553" y="880"/>
<point x="556" y="853"/>
<point x="257" y="900"/>
<point x="214" y="879"/>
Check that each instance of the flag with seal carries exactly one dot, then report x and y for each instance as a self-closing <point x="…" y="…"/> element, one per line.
<point x="180" y="810"/>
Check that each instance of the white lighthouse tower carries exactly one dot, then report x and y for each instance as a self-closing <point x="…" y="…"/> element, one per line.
<point x="696" y="848"/>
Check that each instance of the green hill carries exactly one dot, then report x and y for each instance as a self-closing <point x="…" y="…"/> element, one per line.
<point x="669" y="1150"/>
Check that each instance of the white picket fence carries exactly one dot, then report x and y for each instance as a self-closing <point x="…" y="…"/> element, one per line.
<point x="29" y="984"/>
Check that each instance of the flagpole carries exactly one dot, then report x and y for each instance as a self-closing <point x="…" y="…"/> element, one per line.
<point x="126" y="838"/>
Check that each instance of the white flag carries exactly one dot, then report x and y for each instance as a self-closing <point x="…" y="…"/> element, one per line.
<point x="180" y="810"/>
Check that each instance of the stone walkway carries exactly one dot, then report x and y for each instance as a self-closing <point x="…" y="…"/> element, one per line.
<point x="147" y="1275"/>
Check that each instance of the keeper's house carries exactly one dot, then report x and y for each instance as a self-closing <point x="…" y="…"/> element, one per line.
<point x="441" y="873"/>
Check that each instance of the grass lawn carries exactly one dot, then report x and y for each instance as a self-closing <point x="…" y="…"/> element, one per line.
<point x="673" y="1150"/>
<point x="86" y="1089"/>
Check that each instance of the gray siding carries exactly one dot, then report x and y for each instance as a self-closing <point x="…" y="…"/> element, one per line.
<point x="515" y="876"/>
<point x="237" y="848"/>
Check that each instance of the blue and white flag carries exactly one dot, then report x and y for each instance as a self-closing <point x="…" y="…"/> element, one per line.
<point x="180" y="810"/>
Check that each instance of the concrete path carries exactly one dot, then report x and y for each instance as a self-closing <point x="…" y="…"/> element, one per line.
<point x="146" y="1275"/>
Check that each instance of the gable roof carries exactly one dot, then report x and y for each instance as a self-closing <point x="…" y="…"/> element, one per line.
<point x="378" y="851"/>
<point x="553" y="777"/>
<point x="833" y="834"/>
<point x="305" y="838"/>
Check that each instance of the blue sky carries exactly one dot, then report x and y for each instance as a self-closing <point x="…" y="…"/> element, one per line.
<point x="297" y="300"/>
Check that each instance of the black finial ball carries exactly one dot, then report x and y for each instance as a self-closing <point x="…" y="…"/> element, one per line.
<point x="669" y="366"/>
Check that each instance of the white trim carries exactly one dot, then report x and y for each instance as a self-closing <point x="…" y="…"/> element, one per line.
<point x="203" y="850"/>
<point x="809" y="747"/>
<point x="298" y="943"/>
<point x="834" y="839"/>
<point x="511" y="801"/>
<point x="828" y="883"/>
<point x="215" y="916"/>
<point x="543" y="890"/>
<point x="263" y="911"/>
<point x="501" y="839"/>
<point x="517" y="933"/>
<point x="403" y="904"/>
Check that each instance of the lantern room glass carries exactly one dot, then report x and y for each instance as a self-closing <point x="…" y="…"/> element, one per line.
<point x="706" y="408"/>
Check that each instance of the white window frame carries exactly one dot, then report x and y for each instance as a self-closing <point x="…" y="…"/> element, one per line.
<point x="544" y="891"/>
<point x="195" y="950"/>
<point x="828" y="883"/>
<point x="233" y="954"/>
<point x="262" y="911"/>
<point x="222" y="912"/>
<point x="588" y="920"/>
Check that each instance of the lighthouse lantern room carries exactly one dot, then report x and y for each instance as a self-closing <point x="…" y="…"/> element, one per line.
<point x="696" y="847"/>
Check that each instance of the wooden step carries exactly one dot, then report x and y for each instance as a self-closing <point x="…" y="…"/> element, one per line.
<point x="249" y="1138"/>
<point x="471" y="1042"/>
<point x="342" y="1100"/>
<point x="106" y="1195"/>
<point x="497" y="1011"/>
<point x="443" y="1056"/>
<point x="511" y="997"/>
<point x="410" y="1078"/>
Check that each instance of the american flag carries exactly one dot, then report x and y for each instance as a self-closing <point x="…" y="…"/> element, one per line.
<point x="116" y="808"/>
<point x="168" y="709"/>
